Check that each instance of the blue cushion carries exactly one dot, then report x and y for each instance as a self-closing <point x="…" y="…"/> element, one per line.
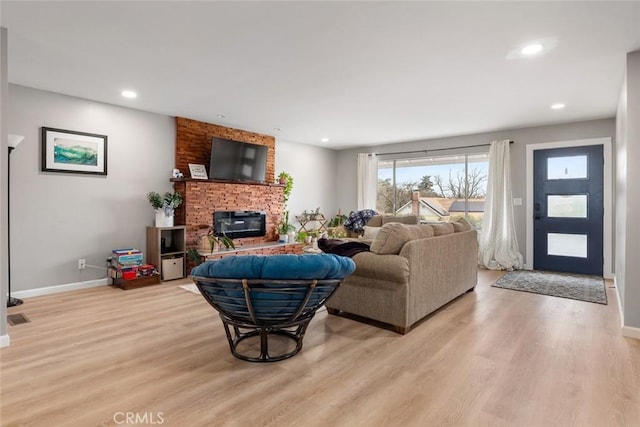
<point x="285" y="267"/>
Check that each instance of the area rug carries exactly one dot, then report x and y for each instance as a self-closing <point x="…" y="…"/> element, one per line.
<point x="572" y="286"/>
<point x="191" y="288"/>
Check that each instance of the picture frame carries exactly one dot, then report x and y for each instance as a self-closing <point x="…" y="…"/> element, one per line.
<point x="69" y="151"/>
<point x="198" y="171"/>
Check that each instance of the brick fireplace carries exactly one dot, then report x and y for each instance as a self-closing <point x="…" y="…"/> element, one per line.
<point x="201" y="198"/>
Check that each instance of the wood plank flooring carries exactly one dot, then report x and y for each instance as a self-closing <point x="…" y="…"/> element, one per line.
<point x="494" y="357"/>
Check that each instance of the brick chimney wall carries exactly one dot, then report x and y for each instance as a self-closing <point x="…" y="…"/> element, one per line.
<point x="193" y="144"/>
<point x="415" y="203"/>
<point x="202" y="198"/>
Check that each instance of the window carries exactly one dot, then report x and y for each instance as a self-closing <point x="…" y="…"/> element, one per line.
<point x="440" y="188"/>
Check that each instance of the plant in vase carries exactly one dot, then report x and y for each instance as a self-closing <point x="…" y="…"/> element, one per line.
<point x="286" y="180"/>
<point x="164" y="206"/>
<point x="284" y="228"/>
<point x="194" y="256"/>
<point x="335" y="226"/>
<point x="212" y="239"/>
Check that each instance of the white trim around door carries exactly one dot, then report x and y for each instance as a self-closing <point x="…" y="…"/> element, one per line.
<point x="608" y="199"/>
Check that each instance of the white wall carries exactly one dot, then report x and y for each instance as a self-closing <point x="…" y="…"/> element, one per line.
<point x="314" y="177"/>
<point x="4" y="338"/>
<point x="628" y="197"/>
<point x="58" y="218"/>
<point x="620" y="230"/>
<point x="346" y="172"/>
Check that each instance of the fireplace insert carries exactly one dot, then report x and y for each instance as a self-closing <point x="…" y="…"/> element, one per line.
<point x="235" y="224"/>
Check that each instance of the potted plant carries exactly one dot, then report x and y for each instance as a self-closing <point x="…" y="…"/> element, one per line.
<point x="164" y="206"/>
<point x="286" y="180"/>
<point x="284" y="229"/>
<point x="210" y="239"/>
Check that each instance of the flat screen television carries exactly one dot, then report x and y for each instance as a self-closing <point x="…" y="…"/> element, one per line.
<point x="237" y="161"/>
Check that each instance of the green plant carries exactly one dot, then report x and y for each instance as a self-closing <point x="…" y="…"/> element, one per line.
<point x="284" y="227"/>
<point x="337" y="220"/>
<point x="288" y="185"/>
<point x="169" y="202"/>
<point x="214" y="239"/>
<point x="226" y="241"/>
<point x="194" y="256"/>
<point x="302" y="235"/>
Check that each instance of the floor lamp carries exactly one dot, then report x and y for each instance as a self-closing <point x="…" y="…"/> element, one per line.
<point x="14" y="140"/>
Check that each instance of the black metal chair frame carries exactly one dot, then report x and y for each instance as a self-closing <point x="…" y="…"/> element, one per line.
<point x="243" y="313"/>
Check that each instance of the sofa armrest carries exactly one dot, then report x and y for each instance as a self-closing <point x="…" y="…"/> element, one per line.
<point x="440" y="269"/>
<point x="393" y="268"/>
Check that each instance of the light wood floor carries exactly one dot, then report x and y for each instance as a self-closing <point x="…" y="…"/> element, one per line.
<point x="493" y="357"/>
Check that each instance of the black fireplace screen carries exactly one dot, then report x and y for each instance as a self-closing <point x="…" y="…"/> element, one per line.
<point x="235" y="224"/>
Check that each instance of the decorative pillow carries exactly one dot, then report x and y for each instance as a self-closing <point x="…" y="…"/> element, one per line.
<point x="461" y="224"/>
<point x="442" y="228"/>
<point x="393" y="235"/>
<point x="370" y="232"/>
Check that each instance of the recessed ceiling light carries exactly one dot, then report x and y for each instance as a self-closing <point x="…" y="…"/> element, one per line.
<point x="129" y="94"/>
<point x="558" y="106"/>
<point x="532" y="49"/>
<point x="220" y="116"/>
<point x="324" y="140"/>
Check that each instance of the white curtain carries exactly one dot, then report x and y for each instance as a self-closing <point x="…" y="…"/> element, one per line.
<point x="367" y="180"/>
<point x="498" y="240"/>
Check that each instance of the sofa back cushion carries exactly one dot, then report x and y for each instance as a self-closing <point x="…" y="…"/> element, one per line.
<point x="375" y="221"/>
<point x="442" y="228"/>
<point x="403" y="219"/>
<point x="393" y="235"/>
<point x="461" y="224"/>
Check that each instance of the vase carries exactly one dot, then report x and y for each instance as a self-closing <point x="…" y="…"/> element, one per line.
<point x="163" y="220"/>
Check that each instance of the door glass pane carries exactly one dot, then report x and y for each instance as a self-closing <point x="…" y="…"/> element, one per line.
<point x="568" y="167"/>
<point x="573" y="245"/>
<point x="573" y="206"/>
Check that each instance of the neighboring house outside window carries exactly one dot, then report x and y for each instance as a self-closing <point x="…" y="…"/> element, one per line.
<point x="435" y="188"/>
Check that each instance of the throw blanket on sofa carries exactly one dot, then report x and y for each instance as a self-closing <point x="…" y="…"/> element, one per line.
<point x="356" y="220"/>
<point x="342" y="247"/>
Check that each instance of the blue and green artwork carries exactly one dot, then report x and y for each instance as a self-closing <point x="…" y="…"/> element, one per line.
<point x="71" y="152"/>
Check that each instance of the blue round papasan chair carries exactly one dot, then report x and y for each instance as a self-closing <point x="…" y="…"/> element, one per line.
<point x="266" y="295"/>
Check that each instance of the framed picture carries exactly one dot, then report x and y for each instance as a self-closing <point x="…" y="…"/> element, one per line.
<point x="69" y="151"/>
<point x="198" y="171"/>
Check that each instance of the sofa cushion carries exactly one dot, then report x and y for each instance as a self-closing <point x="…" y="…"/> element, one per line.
<point x="391" y="268"/>
<point x="461" y="224"/>
<point x="442" y="228"/>
<point x="370" y="232"/>
<point x="393" y="235"/>
<point x="375" y="221"/>
<point x="403" y="219"/>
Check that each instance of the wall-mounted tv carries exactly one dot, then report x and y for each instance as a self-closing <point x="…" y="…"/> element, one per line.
<point x="237" y="161"/>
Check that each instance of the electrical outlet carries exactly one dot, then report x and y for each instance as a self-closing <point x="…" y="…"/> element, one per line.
<point x="81" y="264"/>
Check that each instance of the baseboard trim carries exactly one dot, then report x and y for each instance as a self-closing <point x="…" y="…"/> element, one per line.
<point x="631" y="332"/>
<point x="4" y="341"/>
<point x="48" y="290"/>
<point x="620" y="310"/>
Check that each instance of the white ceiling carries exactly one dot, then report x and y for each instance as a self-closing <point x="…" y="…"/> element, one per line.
<point x="359" y="73"/>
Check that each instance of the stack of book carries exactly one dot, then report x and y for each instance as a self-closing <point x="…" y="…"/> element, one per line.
<point x="127" y="264"/>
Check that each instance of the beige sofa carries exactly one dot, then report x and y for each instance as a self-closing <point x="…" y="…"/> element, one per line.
<point x="411" y="271"/>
